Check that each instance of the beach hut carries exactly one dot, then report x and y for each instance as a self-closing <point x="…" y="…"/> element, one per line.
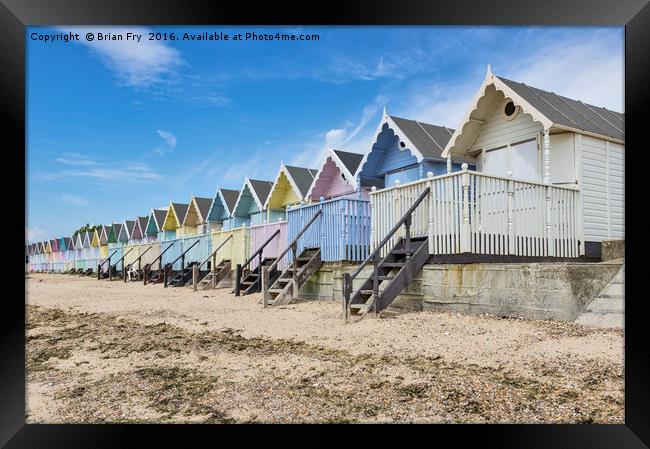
<point x="172" y="232"/>
<point x="405" y="150"/>
<point x="232" y="243"/>
<point x="138" y="234"/>
<point x="195" y="221"/>
<point x="336" y="176"/>
<point x="289" y="188"/>
<point x="153" y="229"/>
<point x="68" y="254"/>
<point x="268" y="232"/>
<point x="334" y="229"/>
<point x="548" y="185"/>
<point x="116" y="246"/>
<point x="221" y="209"/>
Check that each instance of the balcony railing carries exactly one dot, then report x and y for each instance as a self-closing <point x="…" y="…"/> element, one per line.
<point x="470" y="212"/>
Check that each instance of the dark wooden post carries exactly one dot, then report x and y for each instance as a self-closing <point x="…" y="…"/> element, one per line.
<point x="139" y="267"/>
<point x="110" y="270"/>
<point x="237" y="279"/>
<point x="375" y="281"/>
<point x="144" y="274"/>
<point x="346" y="294"/>
<point x="165" y="275"/>
<point x="259" y="272"/>
<point x="98" y="271"/>
<point x="294" y="272"/>
<point x="407" y="246"/>
<point x="124" y="268"/>
<point x="195" y="275"/>
<point x="264" y="280"/>
<point x="183" y="270"/>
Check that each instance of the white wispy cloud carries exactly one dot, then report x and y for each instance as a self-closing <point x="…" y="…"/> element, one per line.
<point x="74" y="200"/>
<point x="168" y="137"/>
<point x="76" y="159"/>
<point x="136" y="64"/>
<point x="131" y="173"/>
<point x="35" y="234"/>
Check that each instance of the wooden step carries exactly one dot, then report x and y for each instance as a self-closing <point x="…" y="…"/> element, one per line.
<point x="392" y="264"/>
<point x="401" y="251"/>
<point x="385" y="278"/>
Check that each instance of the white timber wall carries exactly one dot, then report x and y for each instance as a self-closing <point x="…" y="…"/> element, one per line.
<point x="603" y="188"/>
<point x="498" y="131"/>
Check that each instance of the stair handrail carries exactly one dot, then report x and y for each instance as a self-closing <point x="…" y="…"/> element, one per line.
<point x="183" y="254"/>
<point x="295" y="240"/>
<point x="406" y="219"/>
<point x="264" y="272"/>
<point x="214" y="252"/>
<point x="122" y="258"/>
<point x="140" y="256"/>
<point x="257" y="253"/>
<point x="99" y="266"/>
<point x="159" y="257"/>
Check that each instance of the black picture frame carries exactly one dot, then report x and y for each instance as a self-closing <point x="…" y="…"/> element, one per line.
<point x="15" y="15"/>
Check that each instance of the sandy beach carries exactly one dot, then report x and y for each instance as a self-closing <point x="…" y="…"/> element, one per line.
<point x="100" y="351"/>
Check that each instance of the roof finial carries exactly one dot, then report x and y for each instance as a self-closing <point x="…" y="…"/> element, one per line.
<point x="385" y="111"/>
<point x="489" y="71"/>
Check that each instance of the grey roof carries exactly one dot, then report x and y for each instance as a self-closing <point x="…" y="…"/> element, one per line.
<point x="204" y="206"/>
<point x="262" y="188"/>
<point x="130" y="224"/>
<point x="571" y="113"/>
<point x="68" y="242"/>
<point x="159" y="215"/>
<point x="118" y="229"/>
<point x="230" y="197"/>
<point x="180" y="209"/>
<point x="429" y="140"/>
<point x="142" y="223"/>
<point x="303" y="177"/>
<point x="350" y="160"/>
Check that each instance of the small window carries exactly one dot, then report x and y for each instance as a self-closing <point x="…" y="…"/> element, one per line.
<point x="402" y="144"/>
<point x="510" y="110"/>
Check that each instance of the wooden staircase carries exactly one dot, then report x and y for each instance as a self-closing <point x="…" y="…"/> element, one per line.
<point x="214" y="277"/>
<point x="394" y="272"/>
<point x="183" y="276"/>
<point x="390" y="274"/>
<point x="286" y="286"/>
<point x="251" y="279"/>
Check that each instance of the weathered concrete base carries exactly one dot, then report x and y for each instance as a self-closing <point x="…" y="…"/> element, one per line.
<point x="557" y="291"/>
<point x="612" y="249"/>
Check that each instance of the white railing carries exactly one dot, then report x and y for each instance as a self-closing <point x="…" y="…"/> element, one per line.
<point x="470" y="212"/>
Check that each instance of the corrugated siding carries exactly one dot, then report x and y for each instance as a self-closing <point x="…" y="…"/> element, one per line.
<point x="498" y="131"/>
<point x="602" y="189"/>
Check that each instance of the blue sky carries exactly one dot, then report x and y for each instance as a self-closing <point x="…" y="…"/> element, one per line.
<point x="115" y="128"/>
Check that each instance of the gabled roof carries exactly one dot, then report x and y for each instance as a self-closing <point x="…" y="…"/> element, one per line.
<point x="346" y="162"/>
<point x="129" y="225"/>
<point x="229" y="197"/>
<point x="140" y="227"/>
<point x="547" y="108"/>
<point x="179" y="210"/>
<point x="259" y="190"/>
<point x="300" y="179"/>
<point x="350" y="161"/>
<point x="116" y="230"/>
<point x="429" y="140"/>
<point x="54" y="245"/>
<point x="68" y="243"/>
<point x="202" y="207"/>
<point x="103" y="236"/>
<point x="86" y="239"/>
<point x="95" y="237"/>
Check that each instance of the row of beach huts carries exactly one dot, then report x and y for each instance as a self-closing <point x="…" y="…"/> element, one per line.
<point x="528" y="175"/>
